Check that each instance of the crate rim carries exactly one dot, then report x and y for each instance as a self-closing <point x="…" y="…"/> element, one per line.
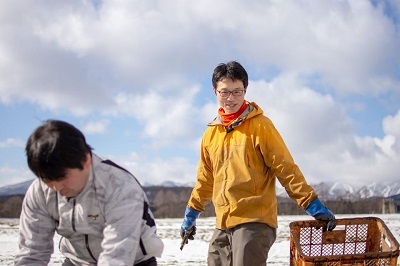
<point x="318" y="223"/>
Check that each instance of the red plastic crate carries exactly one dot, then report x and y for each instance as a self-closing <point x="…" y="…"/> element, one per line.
<point x="354" y="242"/>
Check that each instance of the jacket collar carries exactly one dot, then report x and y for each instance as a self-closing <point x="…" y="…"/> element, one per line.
<point x="251" y="111"/>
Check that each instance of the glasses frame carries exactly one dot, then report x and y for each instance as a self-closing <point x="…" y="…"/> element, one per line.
<point x="229" y="93"/>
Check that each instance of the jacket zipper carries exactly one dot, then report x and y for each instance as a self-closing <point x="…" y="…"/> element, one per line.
<point x="73" y="216"/>
<point x="226" y="156"/>
<point x="88" y="247"/>
<point x="86" y="236"/>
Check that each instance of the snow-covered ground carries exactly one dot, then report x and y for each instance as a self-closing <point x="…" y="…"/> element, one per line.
<point x="195" y="252"/>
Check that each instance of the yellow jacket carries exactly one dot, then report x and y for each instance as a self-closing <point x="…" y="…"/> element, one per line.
<point x="237" y="169"/>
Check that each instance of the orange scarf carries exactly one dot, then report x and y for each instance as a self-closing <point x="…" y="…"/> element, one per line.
<point x="228" y="118"/>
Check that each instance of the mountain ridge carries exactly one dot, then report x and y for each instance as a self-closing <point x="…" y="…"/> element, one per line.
<point x="326" y="190"/>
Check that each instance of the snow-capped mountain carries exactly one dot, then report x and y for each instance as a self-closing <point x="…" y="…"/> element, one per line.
<point x="176" y="184"/>
<point x="326" y="190"/>
<point x="380" y="189"/>
<point x="334" y="191"/>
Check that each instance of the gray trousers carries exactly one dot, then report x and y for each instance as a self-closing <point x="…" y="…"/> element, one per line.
<point x="243" y="245"/>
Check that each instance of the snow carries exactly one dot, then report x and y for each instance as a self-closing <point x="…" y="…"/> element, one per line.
<point x="195" y="252"/>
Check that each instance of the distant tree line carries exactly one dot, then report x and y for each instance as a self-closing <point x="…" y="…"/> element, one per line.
<point x="10" y="206"/>
<point x="170" y="202"/>
<point x="373" y="205"/>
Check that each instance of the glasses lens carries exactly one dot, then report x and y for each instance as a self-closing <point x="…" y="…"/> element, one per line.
<point x="227" y="93"/>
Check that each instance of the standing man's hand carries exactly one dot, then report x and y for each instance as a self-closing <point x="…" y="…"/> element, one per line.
<point x="188" y="222"/>
<point x="318" y="210"/>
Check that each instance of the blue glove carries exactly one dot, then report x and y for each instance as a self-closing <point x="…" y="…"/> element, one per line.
<point x="318" y="210"/>
<point x="188" y="222"/>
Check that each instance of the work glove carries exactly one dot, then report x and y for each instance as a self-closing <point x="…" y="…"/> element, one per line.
<point x="321" y="213"/>
<point x="188" y="222"/>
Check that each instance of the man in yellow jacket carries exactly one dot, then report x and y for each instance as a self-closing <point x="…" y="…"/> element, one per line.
<point x="242" y="154"/>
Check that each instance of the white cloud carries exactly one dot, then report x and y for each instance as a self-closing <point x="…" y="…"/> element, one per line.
<point x="391" y="124"/>
<point x="127" y="58"/>
<point x="304" y="117"/>
<point x="156" y="170"/>
<point x="391" y="127"/>
<point x="96" y="127"/>
<point x="320" y="135"/>
<point x="343" y="41"/>
<point x="10" y="176"/>
<point x="165" y="117"/>
<point x="67" y="26"/>
<point x="12" y="142"/>
<point x="84" y="50"/>
<point x="386" y="145"/>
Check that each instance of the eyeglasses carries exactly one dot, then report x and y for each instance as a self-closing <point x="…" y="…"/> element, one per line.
<point x="225" y="94"/>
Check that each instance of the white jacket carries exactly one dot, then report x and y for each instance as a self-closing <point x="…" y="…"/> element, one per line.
<point x="108" y="223"/>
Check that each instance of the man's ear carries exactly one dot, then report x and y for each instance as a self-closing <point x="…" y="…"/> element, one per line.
<point x="88" y="161"/>
<point x="215" y="91"/>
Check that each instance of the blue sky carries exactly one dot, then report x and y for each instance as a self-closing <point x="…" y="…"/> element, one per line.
<point x="135" y="77"/>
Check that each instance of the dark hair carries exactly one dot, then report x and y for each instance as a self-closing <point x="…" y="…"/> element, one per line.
<point x="232" y="70"/>
<point x="55" y="146"/>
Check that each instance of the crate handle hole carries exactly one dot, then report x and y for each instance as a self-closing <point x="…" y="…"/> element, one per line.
<point x="387" y="241"/>
<point x="340" y="227"/>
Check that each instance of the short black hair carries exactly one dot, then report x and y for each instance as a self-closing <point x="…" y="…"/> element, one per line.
<point x="55" y="146"/>
<point x="232" y="70"/>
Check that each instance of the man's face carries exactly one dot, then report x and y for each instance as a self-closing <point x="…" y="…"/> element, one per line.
<point x="73" y="182"/>
<point x="231" y="104"/>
